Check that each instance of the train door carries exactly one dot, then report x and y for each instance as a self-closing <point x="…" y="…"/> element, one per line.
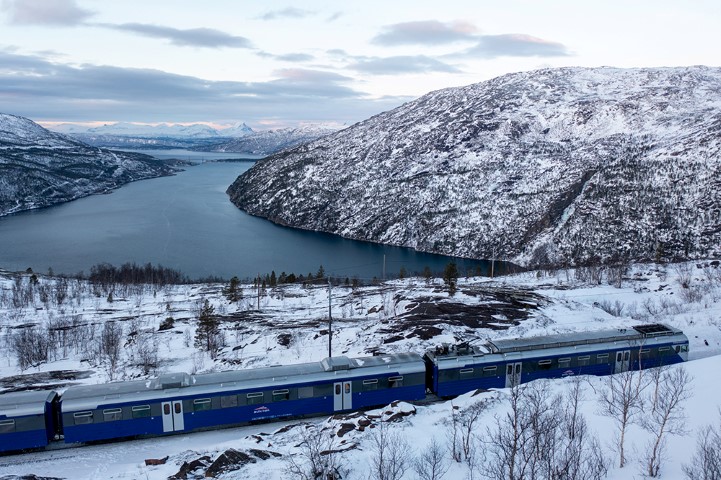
<point x="513" y="374"/>
<point x="342" y="396"/>
<point x="173" y="416"/>
<point x="623" y="361"/>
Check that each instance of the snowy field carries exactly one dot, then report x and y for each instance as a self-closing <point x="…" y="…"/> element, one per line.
<point x="288" y="324"/>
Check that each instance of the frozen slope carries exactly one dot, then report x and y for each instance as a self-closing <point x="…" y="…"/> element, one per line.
<point x="551" y="166"/>
<point x="39" y="168"/>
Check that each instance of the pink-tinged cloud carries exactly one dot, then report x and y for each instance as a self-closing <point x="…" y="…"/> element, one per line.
<point x="429" y="32"/>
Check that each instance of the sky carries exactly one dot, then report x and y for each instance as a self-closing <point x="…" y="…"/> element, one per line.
<point x="279" y="63"/>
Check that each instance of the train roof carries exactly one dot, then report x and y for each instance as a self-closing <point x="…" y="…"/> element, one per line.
<point x="174" y="385"/>
<point x="588" y="341"/>
<point x="29" y="402"/>
<point x="638" y="333"/>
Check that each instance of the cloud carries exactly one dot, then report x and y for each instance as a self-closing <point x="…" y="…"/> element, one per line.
<point x="45" y="12"/>
<point x="289" y="12"/>
<point x="33" y="87"/>
<point x="288" y="57"/>
<point x="430" y="32"/>
<point x="515" y="45"/>
<point x="193" y="37"/>
<point x="401" y="65"/>
<point x="433" y="32"/>
<point x="333" y="17"/>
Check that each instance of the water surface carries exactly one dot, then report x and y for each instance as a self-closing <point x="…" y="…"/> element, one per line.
<point x="188" y="223"/>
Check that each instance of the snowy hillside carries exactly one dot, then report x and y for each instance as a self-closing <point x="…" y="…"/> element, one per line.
<point x="270" y="141"/>
<point x="554" y="166"/>
<point x="39" y="168"/>
<point x="287" y="324"/>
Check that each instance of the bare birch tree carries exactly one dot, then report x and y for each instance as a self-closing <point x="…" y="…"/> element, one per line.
<point x="317" y="457"/>
<point x="706" y="461"/>
<point x="431" y="464"/>
<point x="621" y="400"/>
<point x="391" y="454"/>
<point x="667" y="417"/>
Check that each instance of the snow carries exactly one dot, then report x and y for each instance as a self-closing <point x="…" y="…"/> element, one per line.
<point x="648" y="293"/>
<point x="542" y="167"/>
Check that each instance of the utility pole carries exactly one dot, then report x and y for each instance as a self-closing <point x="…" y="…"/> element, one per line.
<point x="259" y="291"/>
<point x="330" y="323"/>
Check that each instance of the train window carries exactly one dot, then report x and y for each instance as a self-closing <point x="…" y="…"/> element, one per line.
<point x="280" y="395"/>
<point x="83" y="418"/>
<point x="664" y="350"/>
<point x="178" y="407"/>
<point x="305" y="392"/>
<point x="466" y="373"/>
<point x="371" y="384"/>
<point x="684" y="348"/>
<point x="677" y="348"/>
<point x="602" y="358"/>
<point x="644" y="351"/>
<point x="564" y="362"/>
<point x="112" y="414"/>
<point x="201" y="404"/>
<point x="166" y="409"/>
<point x="619" y="356"/>
<point x="518" y="368"/>
<point x="337" y="389"/>
<point x="395" y="382"/>
<point x="544" y="364"/>
<point x="346" y="388"/>
<point x="626" y="356"/>
<point x="509" y="369"/>
<point x="584" y="360"/>
<point x="228" y="401"/>
<point x="254" y="398"/>
<point x="7" y="426"/>
<point x="141" y="411"/>
<point x="489" y="371"/>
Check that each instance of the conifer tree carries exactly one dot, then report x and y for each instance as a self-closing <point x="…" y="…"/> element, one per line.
<point x="208" y="328"/>
<point x="450" y="277"/>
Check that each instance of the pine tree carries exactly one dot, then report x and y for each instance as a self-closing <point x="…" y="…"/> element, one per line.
<point x="450" y="277"/>
<point x="321" y="273"/>
<point x="208" y="328"/>
<point x="233" y="293"/>
<point x="273" y="281"/>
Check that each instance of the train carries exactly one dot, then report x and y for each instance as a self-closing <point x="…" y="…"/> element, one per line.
<point x="180" y="402"/>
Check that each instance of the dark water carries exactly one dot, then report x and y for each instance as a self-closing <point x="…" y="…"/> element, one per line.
<point x="186" y="222"/>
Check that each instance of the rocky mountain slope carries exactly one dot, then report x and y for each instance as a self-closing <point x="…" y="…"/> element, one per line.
<point x="39" y="168"/>
<point x="270" y="141"/>
<point x="544" y="167"/>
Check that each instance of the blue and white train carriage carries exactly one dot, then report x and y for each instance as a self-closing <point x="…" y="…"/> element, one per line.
<point x="27" y="419"/>
<point x="182" y="402"/>
<point x="503" y="363"/>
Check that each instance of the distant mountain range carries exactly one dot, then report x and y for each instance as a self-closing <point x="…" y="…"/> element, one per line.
<point x="196" y="130"/>
<point x="239" y="138"/>
<point x="270" y="141"/>
<point x="551" y="167"/>
<point x="39" y="168"/>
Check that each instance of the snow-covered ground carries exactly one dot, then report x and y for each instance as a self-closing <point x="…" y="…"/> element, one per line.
<point x="290" y="326"/>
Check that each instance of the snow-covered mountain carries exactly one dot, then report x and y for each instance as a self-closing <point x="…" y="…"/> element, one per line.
<point x="236" y="130"/>
<point x="142" y="130"/>
<point x="551" y="166"/>
<point x="268" y="142"/>
<point x="39" y="168"/>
